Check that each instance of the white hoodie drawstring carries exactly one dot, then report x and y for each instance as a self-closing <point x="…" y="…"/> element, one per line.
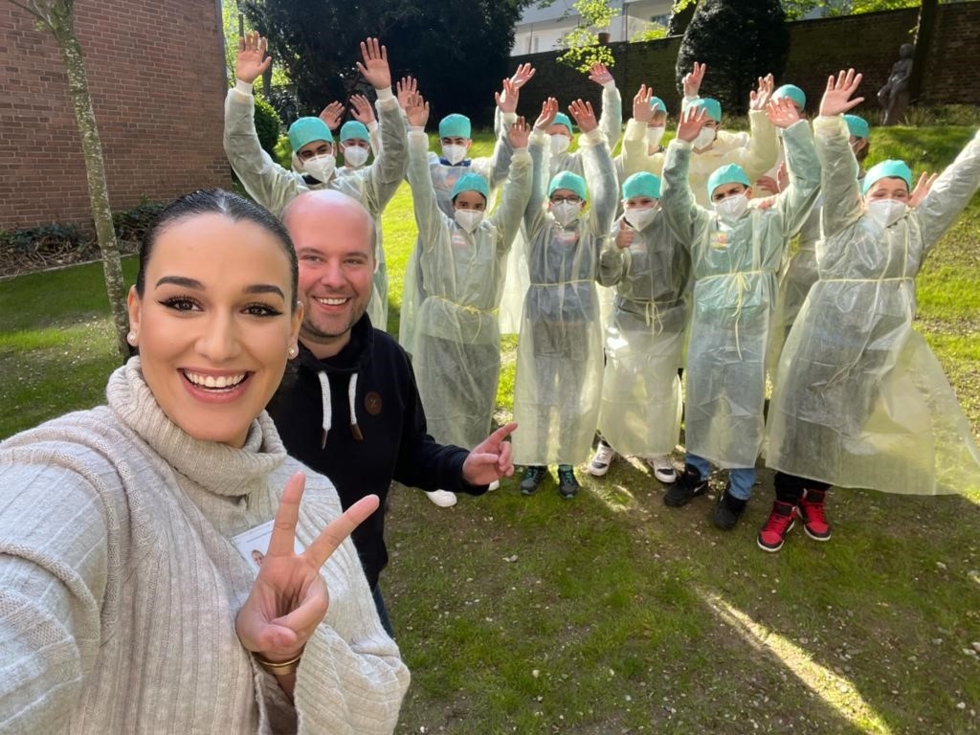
<point x="328" y="408"/>
<point x="351" y="394"/>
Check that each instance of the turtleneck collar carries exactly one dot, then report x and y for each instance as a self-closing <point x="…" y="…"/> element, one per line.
<point x="217" y="468"/>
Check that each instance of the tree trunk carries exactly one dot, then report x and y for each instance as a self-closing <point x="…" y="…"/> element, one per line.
<point x="923" y="40"/>
<point x="63" y="29"/>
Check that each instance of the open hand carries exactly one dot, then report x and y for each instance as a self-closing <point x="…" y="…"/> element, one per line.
<point x="251" y="62"/>
<point x="522" y="76"/>
<point x="406" y="87"/>
<point x="491" y="459"/>
<point x="331" y="115"/>
<point x="691" y="122"/>
<point x="837" y="97"/>
<point x="417" y="111"/>
<point x="600" y="74"/>
<point x="362" y="110"/>
<point x="583" y="115"/>
<point x="782" y="112"/>
<point x="375" y="67"/>
<point x="518" y="134"/>
<point x="549" y="109"/>
<point x="922" y="188"/>
<point x="289" y="598"/>
<point x="507" y="100"/>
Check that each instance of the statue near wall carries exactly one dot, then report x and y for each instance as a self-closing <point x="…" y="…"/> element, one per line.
<point x="894" y="96"/>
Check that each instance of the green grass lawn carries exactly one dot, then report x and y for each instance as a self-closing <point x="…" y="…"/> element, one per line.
<point x="611" y="613"/>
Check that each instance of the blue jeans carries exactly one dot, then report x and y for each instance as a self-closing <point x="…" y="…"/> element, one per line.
<point x="740" y="479"/>
<point x="379" y="603"/>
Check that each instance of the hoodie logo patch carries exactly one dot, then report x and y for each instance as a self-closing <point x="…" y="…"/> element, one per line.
<point x="372" y="403"/>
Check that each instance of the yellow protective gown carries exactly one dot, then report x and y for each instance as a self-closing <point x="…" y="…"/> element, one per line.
<point x="274" y="187"/>
<point x="457" y="345"/>
<point x="517" y="277"/>
<point x="860" y="399"/>
<point x="755" y="158"/>
<point x="734" y="270"/>
<point x="640" y="412"/>
<point x="559" y="353"/>
<point x="444" y="177"/>
<point x="634" y="157"/>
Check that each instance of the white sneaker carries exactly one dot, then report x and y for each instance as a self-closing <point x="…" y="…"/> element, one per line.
<point x="604" y="455"/>
<point x="442" y="498"/>
<point x="495" y="485"/>
<point x="663" y="469"/>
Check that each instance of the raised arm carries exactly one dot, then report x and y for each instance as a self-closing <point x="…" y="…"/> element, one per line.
<point x="516" y="188"/>
<point x="634" y="153"/>
<point x="950" y="194"/>
<point x="611" y="117"/>
<point x="429" y="218"/>
<point x="677" y="200"/>
<point x="266" y="181"/>
<point x="803" y="168"/>
<point x="391" y="164"/>
<point x="598" y="168"/>
<point x="495" y="168"/>
<point x="842" y="205"/>
<point x="362" y="112"/>
<point x="539" y="146"/>
<point x="763" y="149"/>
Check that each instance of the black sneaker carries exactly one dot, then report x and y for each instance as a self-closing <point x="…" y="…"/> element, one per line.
<point x="728" y="510"/>
<point x="533" y="476"/>
<point x="689" y="485"/>
<point x="567" y="483"/>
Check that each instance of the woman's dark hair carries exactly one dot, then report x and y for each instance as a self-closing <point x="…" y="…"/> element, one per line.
<point x="235" y="208"/>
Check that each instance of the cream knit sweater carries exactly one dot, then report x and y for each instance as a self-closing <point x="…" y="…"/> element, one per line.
<point x="119" y="586"/>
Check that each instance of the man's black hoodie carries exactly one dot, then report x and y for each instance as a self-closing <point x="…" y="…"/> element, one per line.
<point x="377" y="430"/>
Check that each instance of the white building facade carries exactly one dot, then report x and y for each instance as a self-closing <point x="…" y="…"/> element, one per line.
<point x="542" y="29"/>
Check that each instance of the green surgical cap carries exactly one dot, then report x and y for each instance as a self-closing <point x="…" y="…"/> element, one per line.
<point x="712" y="107"/>
<point x="471" y="182"/>
<point x="730" y="174"/>
<point x="793" y="92"/>
<point x="857" y="126"/>
<point x="888" y="170"/>
<point x="642" y="184"/>
<point x="562" y="119"/>
<point x="354" y="130"/>
<point x="455" y="126"/>
<point x="306" y="130"/>
<point x="657" y="105"/>
<point x="568" y="180"/>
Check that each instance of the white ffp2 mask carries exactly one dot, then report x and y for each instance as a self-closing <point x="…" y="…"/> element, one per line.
<point x="886" y="212"/>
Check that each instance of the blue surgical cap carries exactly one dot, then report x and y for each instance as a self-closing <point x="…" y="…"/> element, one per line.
<point x="887" y="170"/>
<point x="306" y="130"/>
<point x="730" y="174"/>
<point x="710" y="106"/>
<point x="857" y="126"/>
<point x="455" y="126"/>
<point x="562" y="119"/>
<point x="471" y="182"/>
<point x="793" y="92"/>
<point x="354" y="130"/>
<point x="657" y="105"/>
<point x="643" y="184"/>
<point x="568" y="180"/>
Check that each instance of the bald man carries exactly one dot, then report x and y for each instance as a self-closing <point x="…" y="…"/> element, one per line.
<point x="350" y="408"/>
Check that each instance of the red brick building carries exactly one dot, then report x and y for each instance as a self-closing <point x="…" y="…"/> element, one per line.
<point x="157" y="77"/>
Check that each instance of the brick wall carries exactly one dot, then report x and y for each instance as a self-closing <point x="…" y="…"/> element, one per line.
<point x="156" y="74"/>
<point x="869" y="43"/>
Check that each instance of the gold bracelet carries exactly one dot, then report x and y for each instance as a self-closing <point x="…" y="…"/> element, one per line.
<point x="279" y="668"/>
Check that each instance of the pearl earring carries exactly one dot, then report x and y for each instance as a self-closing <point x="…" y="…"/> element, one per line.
<point x="131" y="338"/>
<point x="292" y="352"/>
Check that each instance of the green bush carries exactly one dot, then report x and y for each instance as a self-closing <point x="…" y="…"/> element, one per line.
<point x="43" y="238"/>
<point x="133" y="223"/>
<point x="266" y="125"/>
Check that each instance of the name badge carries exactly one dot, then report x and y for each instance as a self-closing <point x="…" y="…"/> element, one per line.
<point x="253" y="544"/>
<point x="719" y="240"/>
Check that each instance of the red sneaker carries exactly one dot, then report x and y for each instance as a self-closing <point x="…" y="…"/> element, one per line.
<point x="810" y="507"/>
<point x="781" y="520"/>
